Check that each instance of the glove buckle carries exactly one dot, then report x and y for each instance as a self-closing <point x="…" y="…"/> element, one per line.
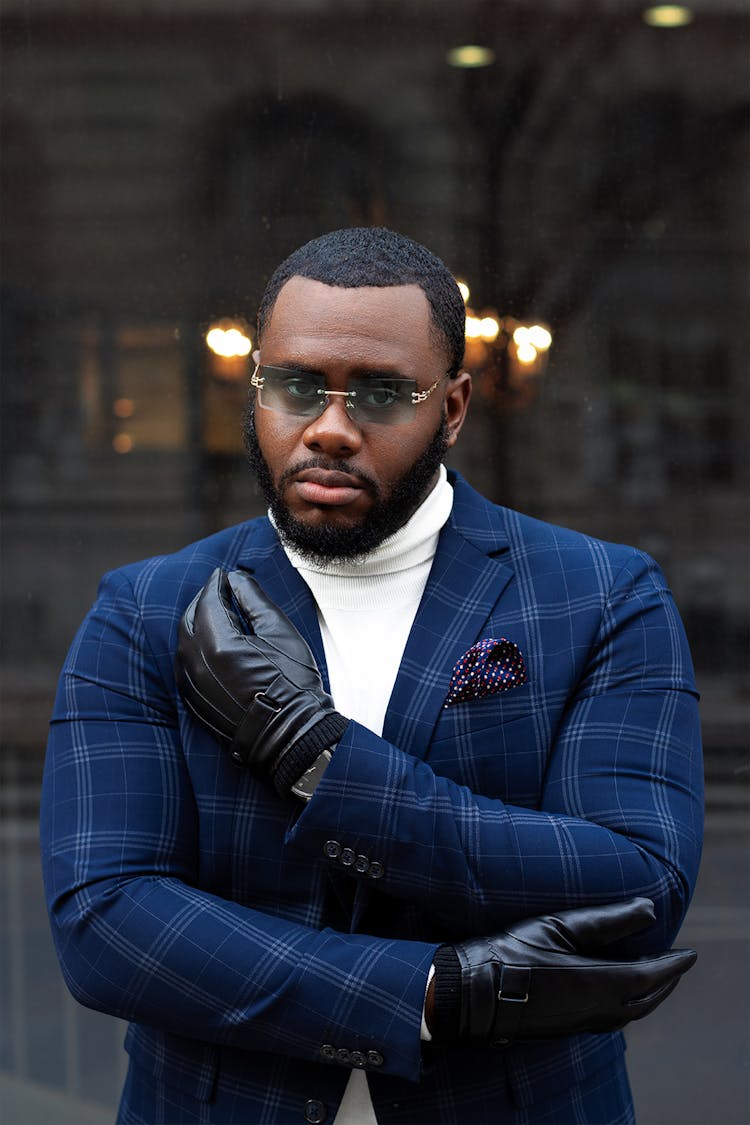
<point x="513" y="989"/>
<point x="513" y="999"/>
<point x="266" y="703"/>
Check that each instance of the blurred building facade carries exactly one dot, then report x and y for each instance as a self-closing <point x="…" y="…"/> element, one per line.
<point x="160" y="158"/>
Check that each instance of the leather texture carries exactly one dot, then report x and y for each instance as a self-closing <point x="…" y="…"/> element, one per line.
<point x="550" y="976"/>
<point x="247" y="674"/>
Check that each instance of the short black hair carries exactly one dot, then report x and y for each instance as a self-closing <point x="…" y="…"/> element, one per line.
<point x="360" y="256"/>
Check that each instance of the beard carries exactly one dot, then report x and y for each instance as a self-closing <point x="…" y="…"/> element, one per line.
<point x="325" y="543"/>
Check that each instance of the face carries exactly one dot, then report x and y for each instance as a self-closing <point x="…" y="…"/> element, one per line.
<point x="336" y="488"/>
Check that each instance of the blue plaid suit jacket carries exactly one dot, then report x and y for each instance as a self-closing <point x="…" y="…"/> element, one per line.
<point x="255" y="944"/>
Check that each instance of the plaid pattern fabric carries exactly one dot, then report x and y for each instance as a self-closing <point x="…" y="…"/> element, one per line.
<point x="601" y="1098"/>
<point x="229" y="926"/>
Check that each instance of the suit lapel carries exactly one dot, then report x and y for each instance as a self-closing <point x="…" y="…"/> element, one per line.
<point x="467" y="578"/>
<point x="265" y="559"/>
<point x="466" y="581"/>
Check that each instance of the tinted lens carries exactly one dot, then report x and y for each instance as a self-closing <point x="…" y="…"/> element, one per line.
<point x="292" y="392"/>
<point x="381" y="400"/>
<point x="369" y="398"/>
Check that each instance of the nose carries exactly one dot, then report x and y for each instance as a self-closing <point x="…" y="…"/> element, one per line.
<point x="333" y="432"/>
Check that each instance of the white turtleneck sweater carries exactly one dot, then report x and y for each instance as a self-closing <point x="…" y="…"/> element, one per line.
<point x="366" y="610"/>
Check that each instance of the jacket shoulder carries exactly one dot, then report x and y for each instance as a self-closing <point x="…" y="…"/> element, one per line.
<point x="178" y="576"/>
<point x="537" y="545"/>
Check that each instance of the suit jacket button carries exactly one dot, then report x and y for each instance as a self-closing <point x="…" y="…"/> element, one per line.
<point x="374" y="1058"/>
<point x="332" y="849"/>
<point x="358" y="1059"/>
<point x="343" y="1056"/>
<point x="347" y="857"/>
<point x="315" y="1111"/>
<point x="362" y="864"/>
<point x="327" y="1052"/>
<point x="376" y="870"/>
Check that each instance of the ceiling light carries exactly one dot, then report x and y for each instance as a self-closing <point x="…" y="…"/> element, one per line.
<point x="471" y="56"/>
<point x="667" y="15"/>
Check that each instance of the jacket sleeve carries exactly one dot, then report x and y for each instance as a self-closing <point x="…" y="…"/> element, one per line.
<point x="620" y="807"/>
<point x="135" y="933"/>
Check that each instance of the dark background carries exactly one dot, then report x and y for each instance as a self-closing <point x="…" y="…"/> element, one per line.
<point x="160" y="158"/>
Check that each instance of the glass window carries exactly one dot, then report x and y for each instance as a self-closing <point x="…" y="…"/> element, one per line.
<point x="585" y="174"/>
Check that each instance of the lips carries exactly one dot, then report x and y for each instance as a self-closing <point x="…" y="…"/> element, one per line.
<point x="327" y="487"/>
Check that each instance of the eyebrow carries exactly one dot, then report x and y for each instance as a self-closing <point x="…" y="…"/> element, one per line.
<point x="361" y="372"/>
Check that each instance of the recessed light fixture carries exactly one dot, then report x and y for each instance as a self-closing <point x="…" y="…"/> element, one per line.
<point x="667" y="15"/>
<point x="471" y="56"/>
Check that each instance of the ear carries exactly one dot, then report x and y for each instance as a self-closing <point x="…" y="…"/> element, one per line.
<point x="256" y="357"/>
<point x="456" y="404"/>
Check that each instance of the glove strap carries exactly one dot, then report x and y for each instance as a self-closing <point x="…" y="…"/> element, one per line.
<point x="262" y="709"/>
<point x="512" y="995"/>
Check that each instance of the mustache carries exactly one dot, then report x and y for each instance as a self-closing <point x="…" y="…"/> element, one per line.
<point x="367" y="482"/>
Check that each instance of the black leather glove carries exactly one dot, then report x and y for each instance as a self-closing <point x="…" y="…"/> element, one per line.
<point x="549" y="976"/>
<point x="245" y="672"/>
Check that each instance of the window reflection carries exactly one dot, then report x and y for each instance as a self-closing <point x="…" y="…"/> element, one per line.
<point x="132" y="387"/>
<point x="590" y="177"/>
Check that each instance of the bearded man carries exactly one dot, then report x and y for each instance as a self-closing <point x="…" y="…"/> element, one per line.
<point x="384" y="807"/>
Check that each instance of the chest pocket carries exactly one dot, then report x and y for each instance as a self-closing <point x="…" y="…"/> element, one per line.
<point x="497" y="746"/>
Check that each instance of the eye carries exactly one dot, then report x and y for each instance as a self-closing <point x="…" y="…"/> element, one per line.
<point x="378" y="396"/>
<point x="300" y="387"/>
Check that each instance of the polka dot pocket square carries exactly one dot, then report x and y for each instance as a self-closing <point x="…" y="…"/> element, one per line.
<point x="489" y="666"/>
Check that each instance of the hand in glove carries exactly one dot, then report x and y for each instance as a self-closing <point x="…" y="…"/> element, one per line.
<point x="245" y="672"/>
<point x="550" y="976"/>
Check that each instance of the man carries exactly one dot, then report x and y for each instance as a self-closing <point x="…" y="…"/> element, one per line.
<point x="381" y="843"/>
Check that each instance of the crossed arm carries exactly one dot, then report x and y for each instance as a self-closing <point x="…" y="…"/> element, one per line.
<point x="620" y="810"/>
<point x="140" y="935"/>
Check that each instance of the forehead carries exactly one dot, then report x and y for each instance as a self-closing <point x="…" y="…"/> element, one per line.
<point x="313" y="322"/>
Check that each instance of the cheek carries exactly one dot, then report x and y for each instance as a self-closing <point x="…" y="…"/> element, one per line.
<point x="276" y="443"/>
<point x="389" y="453"/>
<point x="400" y="447"/>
